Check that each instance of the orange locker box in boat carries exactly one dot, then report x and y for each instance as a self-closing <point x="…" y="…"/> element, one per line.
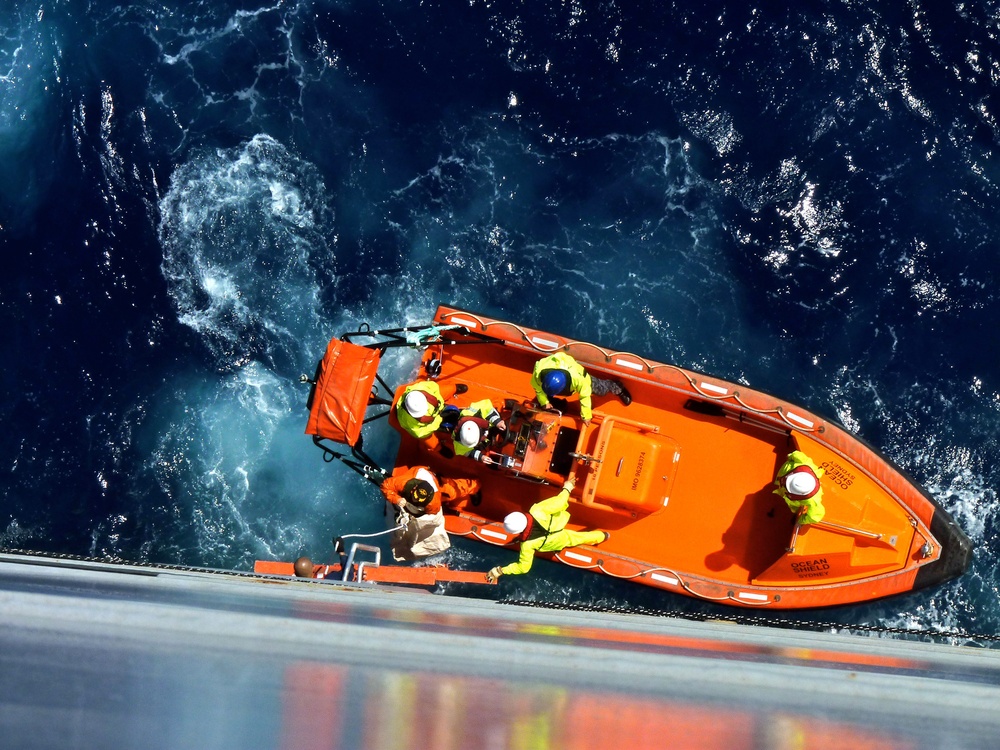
<point x="634" y="470"/>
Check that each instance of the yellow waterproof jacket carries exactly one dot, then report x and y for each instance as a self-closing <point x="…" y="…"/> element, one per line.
<point x="579" y="380"/>
<point x="552" y="515"/>
<point x="411" y="424"/>
<point x="813" y="505"/>
<point x="484" y="410"/>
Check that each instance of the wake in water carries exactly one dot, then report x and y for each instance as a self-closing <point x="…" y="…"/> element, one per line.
<point x="245" y="254"/>
<point x="246" y="258"/>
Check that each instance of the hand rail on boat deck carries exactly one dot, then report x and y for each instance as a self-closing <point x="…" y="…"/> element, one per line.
<point x="795" y="531"/>
<point x="848" y="529"/>
<point x="828" y="525"/>
<point x="349" y="564"/>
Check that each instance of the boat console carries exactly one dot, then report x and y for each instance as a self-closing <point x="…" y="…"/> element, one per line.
<point x="621" y="465"/>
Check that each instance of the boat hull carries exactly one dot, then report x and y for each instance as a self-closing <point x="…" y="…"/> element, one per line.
<point x="682" y="478"/>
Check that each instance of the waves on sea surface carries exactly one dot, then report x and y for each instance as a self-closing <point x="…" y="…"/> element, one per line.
<point x="196" y="197"/>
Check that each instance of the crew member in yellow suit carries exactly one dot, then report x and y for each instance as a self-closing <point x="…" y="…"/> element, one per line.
<point x="799" y="486"/>
<point x="477" y="426"/>
<point x="543" y="529"/>
<point x="420" y="408"/>
<point x="560" y="374"/>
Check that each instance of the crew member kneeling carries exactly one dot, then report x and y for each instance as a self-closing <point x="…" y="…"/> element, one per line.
<point x="798" y="485"/>
<point x="543" y="529"/>
<point x="477" y="427"/>
<point x="559" y="375"/>
<point x="421" y="409"/>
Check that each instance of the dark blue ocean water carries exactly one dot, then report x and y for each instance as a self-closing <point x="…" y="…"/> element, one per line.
<point x="194" y="196"/>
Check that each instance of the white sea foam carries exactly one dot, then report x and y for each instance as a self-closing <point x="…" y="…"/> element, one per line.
<point x="243" y="231"/>
<point x="243" y="234"/>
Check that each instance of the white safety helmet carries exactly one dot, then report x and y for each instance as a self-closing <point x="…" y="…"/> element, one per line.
<point x="415" y="403"/>
<point x="800" y="483"/>
<point x="515" y="523"/>
<point x="469" y="434"/>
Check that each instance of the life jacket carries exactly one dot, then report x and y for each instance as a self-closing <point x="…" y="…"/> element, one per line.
<point x="533" y="530"/>
<point x="537" y="530"/>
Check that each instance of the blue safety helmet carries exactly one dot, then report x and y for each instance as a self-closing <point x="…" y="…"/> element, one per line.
<point x="555" y="382"/>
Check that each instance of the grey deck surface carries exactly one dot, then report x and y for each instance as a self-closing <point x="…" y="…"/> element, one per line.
<point x="105" y="656"/>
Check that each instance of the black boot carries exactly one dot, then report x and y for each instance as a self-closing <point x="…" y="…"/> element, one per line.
<point x="623" y="394"/>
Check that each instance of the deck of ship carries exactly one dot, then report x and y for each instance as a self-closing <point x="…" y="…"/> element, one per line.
<point x="101" y="655"/>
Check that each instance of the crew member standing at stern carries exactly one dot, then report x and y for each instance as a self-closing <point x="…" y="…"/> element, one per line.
<point x="798" y="485"/>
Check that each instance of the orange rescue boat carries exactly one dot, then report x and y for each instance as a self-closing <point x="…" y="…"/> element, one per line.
<point x="682" y="477"/>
